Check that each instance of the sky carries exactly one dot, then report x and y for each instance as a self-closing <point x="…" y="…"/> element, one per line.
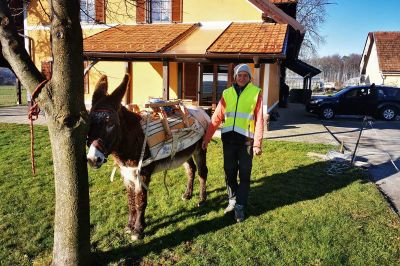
<point x="349" y="21"/>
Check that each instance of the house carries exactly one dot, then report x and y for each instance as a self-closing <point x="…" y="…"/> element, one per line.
<point x="380" y="62"/>
<point x="181" y="48"/>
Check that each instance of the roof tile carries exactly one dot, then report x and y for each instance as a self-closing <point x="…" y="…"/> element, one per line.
<point x="148" y="38"/>
<point x="251" y="38"/>
<point x="388" y="48"/>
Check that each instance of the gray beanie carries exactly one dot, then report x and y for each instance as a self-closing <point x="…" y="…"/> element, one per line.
<point x="241" y="68"/>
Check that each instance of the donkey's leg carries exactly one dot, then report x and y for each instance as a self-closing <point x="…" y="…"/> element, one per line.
<point x="130" y="191"/>
<point x="140" y="205"/>
<point x="190" y="169"/>
<point x="201" y="162"/>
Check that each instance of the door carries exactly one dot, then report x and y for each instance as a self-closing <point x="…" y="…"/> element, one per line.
<point x="351" y="102"/>
<point x="370" y="100"/>
<point x="190" y="76"/>
<point x="359" y="101"/>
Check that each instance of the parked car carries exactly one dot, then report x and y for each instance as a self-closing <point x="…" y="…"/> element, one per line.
<point x="377" y="101"/>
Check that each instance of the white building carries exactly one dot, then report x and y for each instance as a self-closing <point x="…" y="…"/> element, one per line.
<point x="380" y="62"/>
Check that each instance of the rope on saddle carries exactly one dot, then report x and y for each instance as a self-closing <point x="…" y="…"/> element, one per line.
<point x="33" y="115"/>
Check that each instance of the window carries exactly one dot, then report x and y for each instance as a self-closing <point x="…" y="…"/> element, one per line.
<point x="159" y="11"/>
<point x="208" y="83"/>
<point x="156" y="11"/>
<point x="88" y="11"/>
<point x="351" y="94"/>
<point x="388" y="92"/>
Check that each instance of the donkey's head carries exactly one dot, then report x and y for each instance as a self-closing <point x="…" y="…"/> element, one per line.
<point x="104" y="132"/>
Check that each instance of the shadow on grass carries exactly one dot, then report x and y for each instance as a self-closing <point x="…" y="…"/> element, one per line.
<point x="267" y="193"/>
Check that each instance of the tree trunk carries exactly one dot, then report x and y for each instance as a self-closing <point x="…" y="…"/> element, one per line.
<point x="63" y="101"/>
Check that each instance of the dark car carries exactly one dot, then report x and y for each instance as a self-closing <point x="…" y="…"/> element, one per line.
<point x="377" y="101"/>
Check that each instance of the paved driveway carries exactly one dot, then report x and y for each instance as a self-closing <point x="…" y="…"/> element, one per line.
<point x="379" y="143"/>
<point x="18" y="115"/>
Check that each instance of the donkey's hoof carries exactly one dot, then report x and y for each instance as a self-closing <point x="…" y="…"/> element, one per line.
<point x="201" y="203"/>
<point x="186" y="196"/>
<point x="128" y="230"/>
<point x="135" y="236"/>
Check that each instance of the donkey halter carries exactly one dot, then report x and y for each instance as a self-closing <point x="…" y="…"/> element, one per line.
<point x="99" y="114"/>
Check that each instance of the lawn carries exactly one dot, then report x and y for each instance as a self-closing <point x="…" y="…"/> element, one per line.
<point x="8" y="95"/>
<point x="297" y="214"/>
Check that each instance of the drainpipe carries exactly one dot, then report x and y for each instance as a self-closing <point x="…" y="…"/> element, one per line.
<point x="30" y="44"/>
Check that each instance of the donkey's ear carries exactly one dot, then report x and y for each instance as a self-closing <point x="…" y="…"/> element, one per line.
<point x="101" y="89"/>
<point x="119" y="92"/>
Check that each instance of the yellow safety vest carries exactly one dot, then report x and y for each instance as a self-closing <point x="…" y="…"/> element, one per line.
<point x="239" y="111"/>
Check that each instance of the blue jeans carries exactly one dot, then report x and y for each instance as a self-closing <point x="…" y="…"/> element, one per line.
<point x="238" y="158"/>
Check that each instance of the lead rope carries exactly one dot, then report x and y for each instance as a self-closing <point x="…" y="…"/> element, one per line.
<point x="33" y="115"/>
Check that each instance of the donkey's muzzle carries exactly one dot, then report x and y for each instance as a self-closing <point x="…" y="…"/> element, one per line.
<point x="95" y="157"/>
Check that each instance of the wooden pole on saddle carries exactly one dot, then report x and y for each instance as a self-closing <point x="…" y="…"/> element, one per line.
<point x="176" y="105"/>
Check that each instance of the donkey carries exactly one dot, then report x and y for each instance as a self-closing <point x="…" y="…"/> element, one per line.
<point x="117" y="131"/>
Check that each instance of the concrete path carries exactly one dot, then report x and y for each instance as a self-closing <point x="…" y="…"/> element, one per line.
<point x="295" y="124"/>
<point x="18" y="115"/>
<point x="379" y="146"/>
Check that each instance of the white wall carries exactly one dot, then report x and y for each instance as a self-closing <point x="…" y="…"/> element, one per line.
<point x="372" y="73"/>
<point x="392" y="80"/>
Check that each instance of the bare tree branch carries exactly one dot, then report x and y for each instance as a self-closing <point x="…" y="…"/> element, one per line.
<point x="14" y="52"/>
<point x="312" y="14"/>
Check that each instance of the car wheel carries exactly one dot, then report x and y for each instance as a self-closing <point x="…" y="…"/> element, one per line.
<point x="327" y="112"/>
<point x="388" y="113"/>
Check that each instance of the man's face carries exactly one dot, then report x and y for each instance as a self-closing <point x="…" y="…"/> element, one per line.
<point x="242" y="78"/>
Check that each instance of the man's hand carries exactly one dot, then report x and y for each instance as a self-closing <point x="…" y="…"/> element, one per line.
<point x="204" y="145"/>
<point x="257" y="151"/>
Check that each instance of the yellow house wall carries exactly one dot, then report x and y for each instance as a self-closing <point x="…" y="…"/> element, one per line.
<point x="38" y="13"/>
<point x="148" y="81"/>
<point x="118" y="11"/>
<point x="392" y="80"/>
<point x="273" y="86"/>
<point x="219" y="10"/>
<point x="40" y="46"/>
<point x="115" y="72"/>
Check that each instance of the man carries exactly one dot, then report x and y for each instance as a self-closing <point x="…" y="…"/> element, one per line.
<point x="241" y="108"/>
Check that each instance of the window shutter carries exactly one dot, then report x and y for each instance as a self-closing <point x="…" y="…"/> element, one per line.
<point x="46" y="67"/>
<point x="190" y="76"/>
<point x="176" y="10"/>
<point x="100" y="11"/>
<point x="140" y="11"/>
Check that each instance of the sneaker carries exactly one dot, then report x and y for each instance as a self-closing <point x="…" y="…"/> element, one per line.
<point x="239" y="213"/>
<point x="231" y="206"/>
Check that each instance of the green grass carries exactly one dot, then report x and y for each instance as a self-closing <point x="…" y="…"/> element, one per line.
<point x="297" y="214"/>
<point x="8" y="95"/>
